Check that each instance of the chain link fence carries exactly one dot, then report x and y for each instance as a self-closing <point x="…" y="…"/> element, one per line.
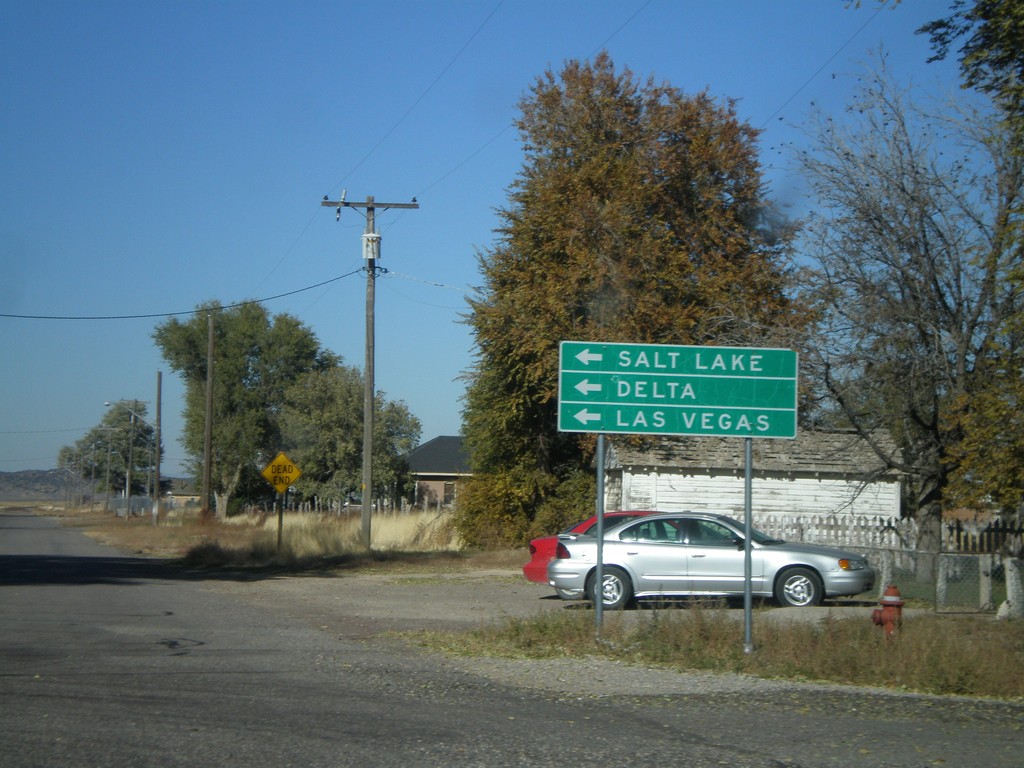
<point x="946" y="581"/>
<point x="967" y="576"/>
<point x="139" y="505"/>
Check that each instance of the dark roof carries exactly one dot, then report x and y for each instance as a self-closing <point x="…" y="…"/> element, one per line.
<point x="443" y="455"/>
<point x="811" y="452"/>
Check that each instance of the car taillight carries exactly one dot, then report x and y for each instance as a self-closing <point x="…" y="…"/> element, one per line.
<point x="562" y="551"/>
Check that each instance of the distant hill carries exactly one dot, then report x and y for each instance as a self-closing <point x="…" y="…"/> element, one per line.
<point x="60" y="485"/>
<point x="37" y="485"/>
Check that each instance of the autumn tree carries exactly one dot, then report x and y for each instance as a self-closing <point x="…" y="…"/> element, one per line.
<point x="987" y="465"/>
<point x="912" y="243"/>
<point x="322" y="427"/>
<point x="638" y="216"/>
<point x="256" y="358"/>
<point x="990" y="35"/>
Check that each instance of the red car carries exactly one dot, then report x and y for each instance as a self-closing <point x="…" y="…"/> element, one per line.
<point x="542" y="550"/>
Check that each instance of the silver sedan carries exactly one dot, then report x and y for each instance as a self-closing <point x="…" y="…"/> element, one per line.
<point x="693" y="554"/>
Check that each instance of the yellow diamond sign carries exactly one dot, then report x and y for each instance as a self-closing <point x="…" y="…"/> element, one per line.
<point x="281" y="473"/>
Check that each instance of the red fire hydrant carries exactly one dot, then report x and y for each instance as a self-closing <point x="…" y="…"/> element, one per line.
<point x="890" y="615"/>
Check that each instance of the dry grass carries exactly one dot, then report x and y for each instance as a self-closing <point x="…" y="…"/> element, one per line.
<point x="413" y="540"/>
<point x="972" y="656"/>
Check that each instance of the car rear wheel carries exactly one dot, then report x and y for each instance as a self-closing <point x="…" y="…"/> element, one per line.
<point x="616" y="592"/>
<point x="799" y="587"/>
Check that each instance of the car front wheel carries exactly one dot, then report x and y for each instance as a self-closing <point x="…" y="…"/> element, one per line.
<point x="616" y="592"/>
<point x="799" y="587"/>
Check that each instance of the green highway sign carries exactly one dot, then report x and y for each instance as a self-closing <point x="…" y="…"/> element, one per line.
<point x="677" y="390"/>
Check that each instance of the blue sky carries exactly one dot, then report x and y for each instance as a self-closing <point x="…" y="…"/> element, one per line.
<point x="156" y="155"/>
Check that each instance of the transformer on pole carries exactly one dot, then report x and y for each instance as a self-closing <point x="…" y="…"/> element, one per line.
<point x="371" y="253"/>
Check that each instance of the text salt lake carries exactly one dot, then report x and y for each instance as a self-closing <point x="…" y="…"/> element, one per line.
<point x="669" y="360"/>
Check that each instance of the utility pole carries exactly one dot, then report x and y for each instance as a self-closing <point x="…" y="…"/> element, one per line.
<point x="371" y="252"/>
<point x="208" y="425"/>
<point x="156" y="450"/>
<point x="131" y="458"/>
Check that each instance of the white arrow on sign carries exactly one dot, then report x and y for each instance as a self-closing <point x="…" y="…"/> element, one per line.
<point x="587" y="357"/>
<point x="585" y="387"/>
<point x="584" y="416"/>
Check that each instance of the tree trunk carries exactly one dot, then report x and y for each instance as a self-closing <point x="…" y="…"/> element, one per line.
<point x="221" y="504"/>
<point x="929" y="542"/>
<point x="985" y="581"/>
<point x="1013" y="608"/>
<point x="229" y="483"/>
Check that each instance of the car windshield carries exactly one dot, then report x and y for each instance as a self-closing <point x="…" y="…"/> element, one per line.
<point x="573" y="526"/>
<point x="591" y="529"/>
<point x="609" y="521"/>
<point x="759" y="537"/>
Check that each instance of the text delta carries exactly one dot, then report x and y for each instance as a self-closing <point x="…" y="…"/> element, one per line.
<point x="656" y="390"/>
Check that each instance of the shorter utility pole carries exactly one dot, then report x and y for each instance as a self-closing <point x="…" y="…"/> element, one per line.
<point x="371" y="252"/>
<point x="131" y="459"/>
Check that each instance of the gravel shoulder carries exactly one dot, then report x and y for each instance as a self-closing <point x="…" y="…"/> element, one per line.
<point x="375" y="607"/>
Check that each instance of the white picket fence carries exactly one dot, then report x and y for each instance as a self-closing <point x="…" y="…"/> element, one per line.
<point x="874" y="532"/>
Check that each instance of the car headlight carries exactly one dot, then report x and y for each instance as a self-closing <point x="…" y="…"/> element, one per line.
<point x="852" y="565"/>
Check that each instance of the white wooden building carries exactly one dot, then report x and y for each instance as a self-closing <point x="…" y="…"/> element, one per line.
<point x="818" y="475"/>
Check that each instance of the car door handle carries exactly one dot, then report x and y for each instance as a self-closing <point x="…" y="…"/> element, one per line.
<point x="695" y="555"/>
<point x="634" y="552"/>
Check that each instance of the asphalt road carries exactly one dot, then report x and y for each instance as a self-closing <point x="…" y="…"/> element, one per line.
<point x="109" y="660"/>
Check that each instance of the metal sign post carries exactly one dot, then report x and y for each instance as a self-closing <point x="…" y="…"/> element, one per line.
<point x="599" y="572"/>
<point x="748" y="528"/>
<point x="662" y="389"/>
<point x="281" y="473"/>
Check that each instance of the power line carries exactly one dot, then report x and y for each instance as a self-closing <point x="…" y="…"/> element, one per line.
<point x="423" y="95"/>
<point x="402" y="119"/>
<point x="390" y="272"/>
<point x="183" y="312"/>
<point x="828" y="61"/>
<point x="504" y="130"/>
<point x="433" y="283"/>
<point x="46" y="431"/>
<point x="373" y="149"/>
<point x="621" y="27"/>
<point x="442" y="178"/>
